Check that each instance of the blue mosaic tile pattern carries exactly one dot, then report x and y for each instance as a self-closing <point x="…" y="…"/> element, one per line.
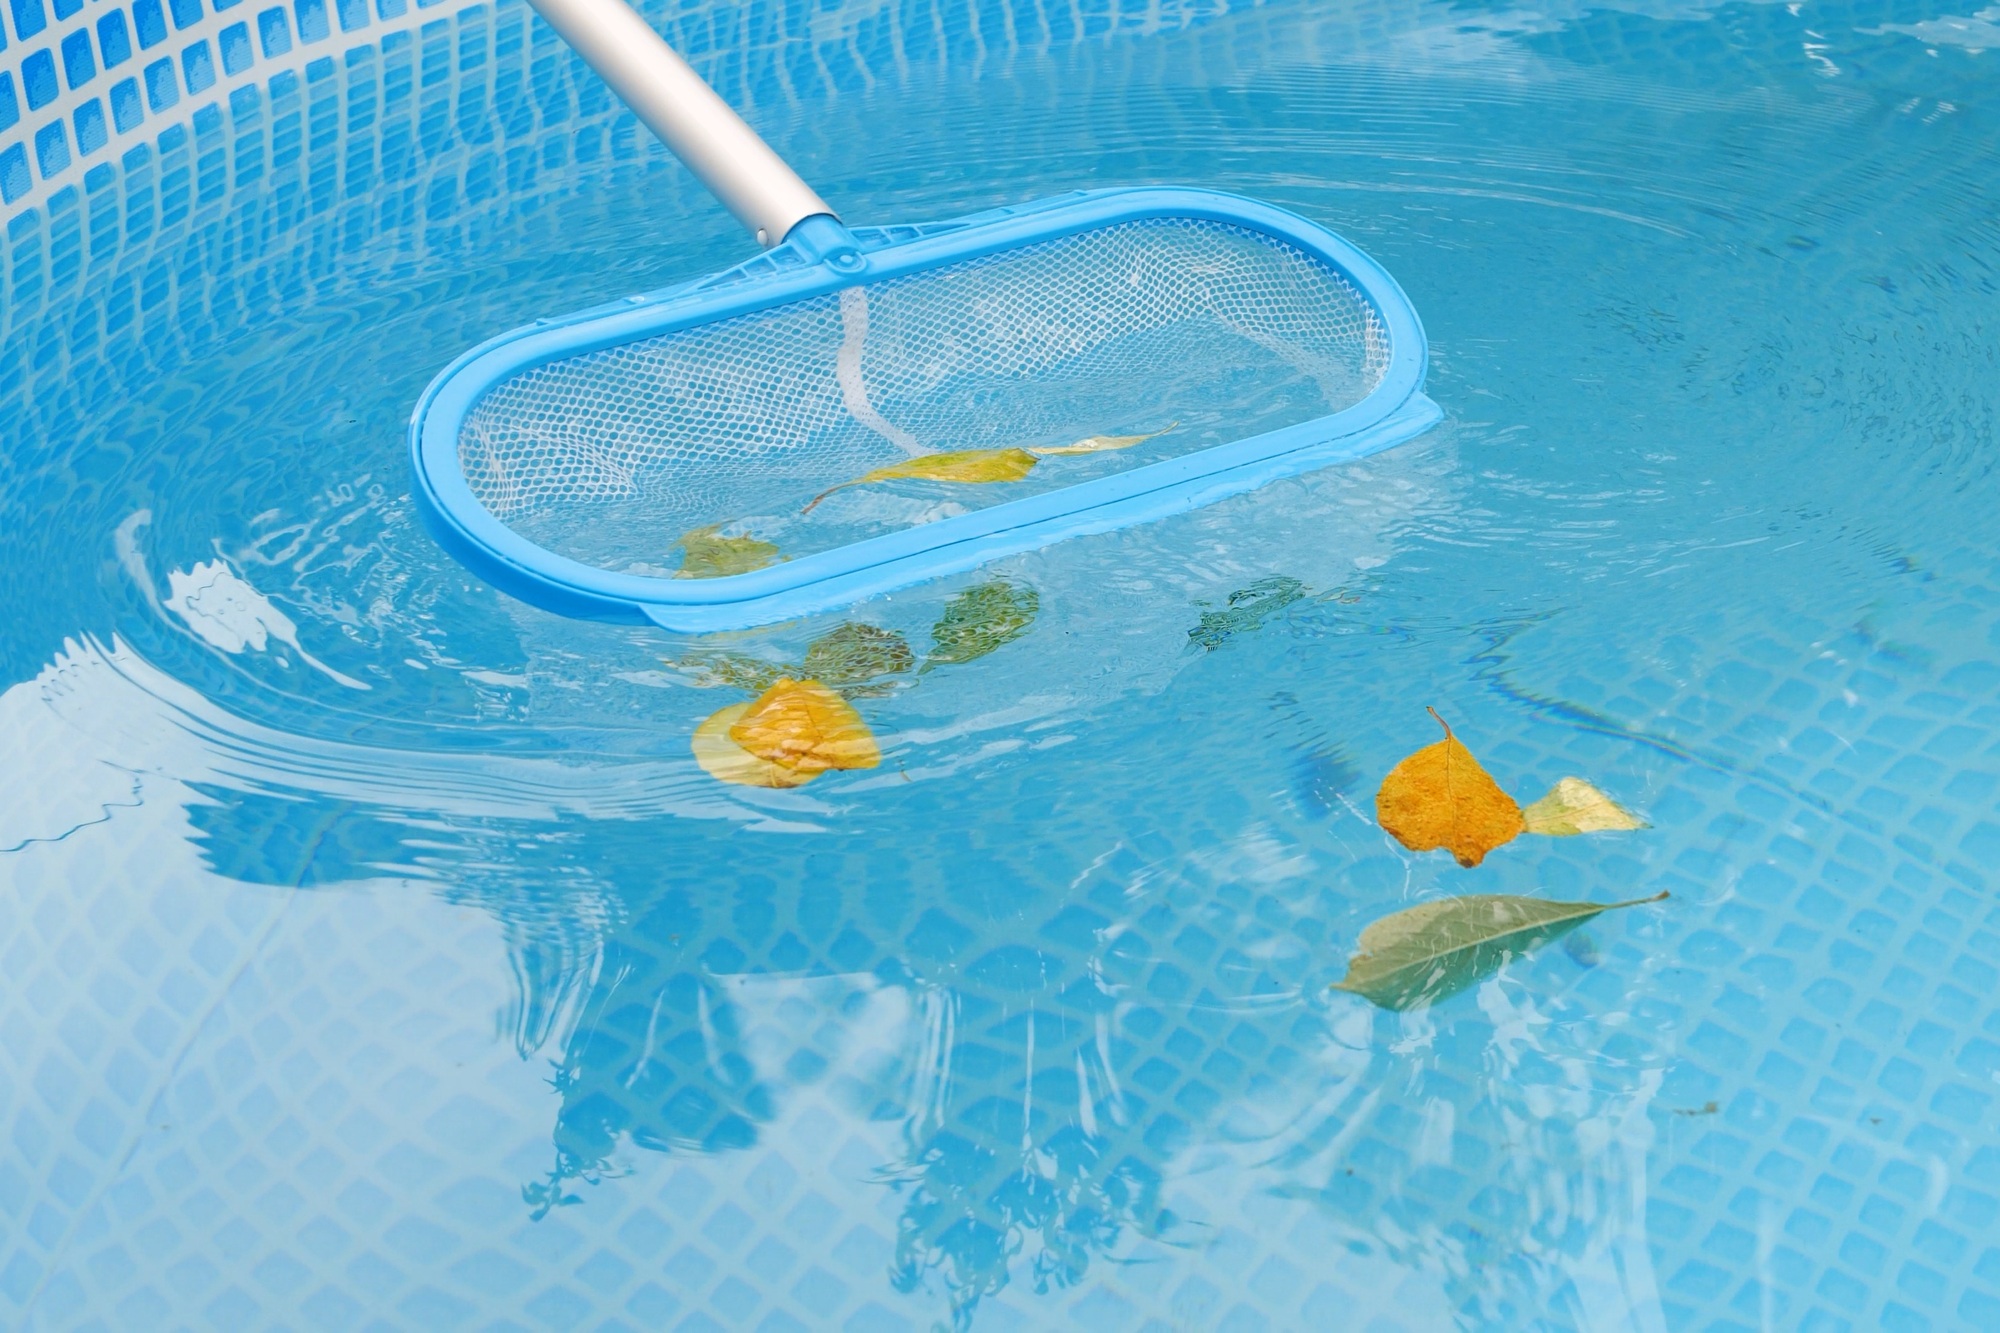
<point x="264" y="1108"/>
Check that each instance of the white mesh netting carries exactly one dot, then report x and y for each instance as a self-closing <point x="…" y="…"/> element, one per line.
<point x="610" y="456"/>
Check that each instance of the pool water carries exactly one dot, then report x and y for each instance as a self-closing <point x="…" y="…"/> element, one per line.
<point x="377" y="955"/>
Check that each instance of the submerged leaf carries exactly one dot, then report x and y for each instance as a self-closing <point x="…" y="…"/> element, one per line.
<point x="710" y="555"/>
<point x="722" y="758"/>
<point x="979" y="620"/>
<point x="1248" y="609"/>
<point x="968" y="465"/>
<point x="853" y="654"/>
<point x="1425" y="953"/>
<point x="844" y="657"/>
<point x="804" y="726"/>
<point x="1099" y="443"/>
<point x="1574" y="806"/>
<point x="1441" y="797"/>
<point x="706" y="669"/>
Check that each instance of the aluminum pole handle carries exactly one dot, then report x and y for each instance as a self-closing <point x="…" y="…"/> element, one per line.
<point x="703" y="131"/>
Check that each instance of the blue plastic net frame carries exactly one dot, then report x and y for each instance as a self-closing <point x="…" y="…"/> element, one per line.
<point x="1394" y="411"/>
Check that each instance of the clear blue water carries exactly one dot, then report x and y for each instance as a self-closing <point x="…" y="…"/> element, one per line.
<point x="377" y="956"/>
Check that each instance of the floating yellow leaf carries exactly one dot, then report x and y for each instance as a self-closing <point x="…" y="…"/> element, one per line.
<point x="979" y="620"/>
<point x="969" y="465"/>
<point x="1422" y="954"/>
<point x="1574" y="806"/>
<point x="722" y="758"/>
<point x="710" y="555"/>
<point x="1441" y="797"/>
<point x="1099" y="443"/>
<point x="804" y="726"/>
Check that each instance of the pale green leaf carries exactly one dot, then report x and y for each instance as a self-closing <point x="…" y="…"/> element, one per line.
<point x="1573" y="806"/>
<point x="1425" y="953"/>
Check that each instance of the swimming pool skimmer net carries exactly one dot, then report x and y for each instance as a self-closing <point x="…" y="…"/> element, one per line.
<point x="1112" y="356"/>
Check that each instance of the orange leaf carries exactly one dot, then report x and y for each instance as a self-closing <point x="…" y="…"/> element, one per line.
<point x="1441" y="797"/>
<point x="805" y="727"/>
<point x="723" y="759"/>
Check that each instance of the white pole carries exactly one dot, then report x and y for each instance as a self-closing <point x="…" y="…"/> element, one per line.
<point x="702" y="130"/>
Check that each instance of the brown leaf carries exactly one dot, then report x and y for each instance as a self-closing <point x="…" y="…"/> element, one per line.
<point x="722" y="758"/>
<point x="1441" y="797"/>
<point x="968" y="465"/>
<point x="804" y="726"/>
<point x="1574" y="806"/>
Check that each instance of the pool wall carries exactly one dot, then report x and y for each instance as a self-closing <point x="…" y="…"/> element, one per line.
<point x="85" y="87"/>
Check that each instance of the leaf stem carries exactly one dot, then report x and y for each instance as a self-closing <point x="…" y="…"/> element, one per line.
<point x="822" y="495"/>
